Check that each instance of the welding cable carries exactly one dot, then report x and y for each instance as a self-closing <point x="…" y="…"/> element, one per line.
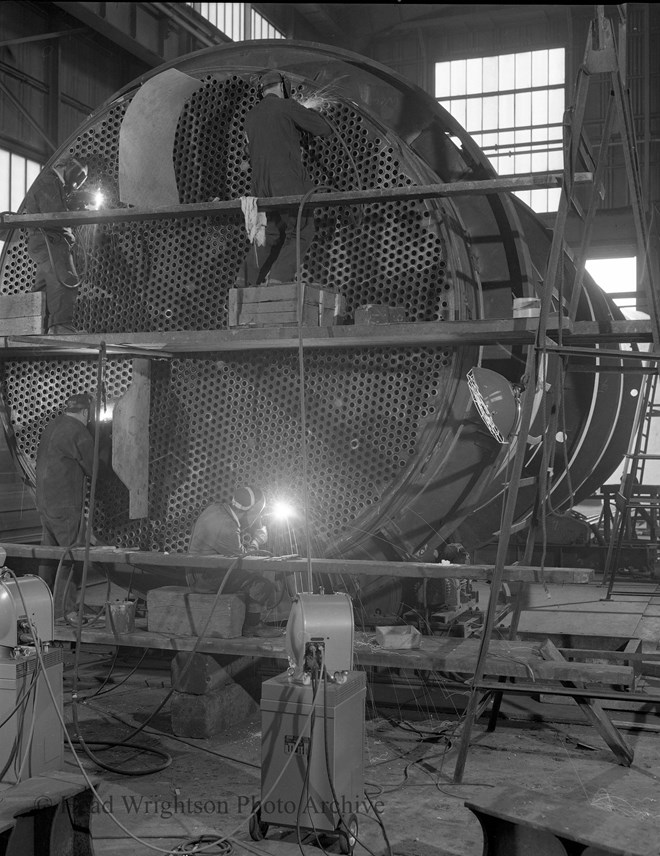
<point x="328" y="767"/>
<point x="30" y="738"/>
<point x="265" y="797"/>
<point x="356" y="220"/>
<point x="221" y="847"/>
<point x="65" y="730"/>
<point x="124" y="743"/>
<point x="19" y="708"/>
<point x="166" y="759"/>
<point x="301" y="381"/>
<point x="169" y="736"/>
<point x="305" y="785"/>
<point x="99" y="692"/>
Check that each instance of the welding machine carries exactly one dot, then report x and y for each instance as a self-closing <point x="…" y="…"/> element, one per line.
<point x="30" y="734"/>
<point x="312" y="727"/>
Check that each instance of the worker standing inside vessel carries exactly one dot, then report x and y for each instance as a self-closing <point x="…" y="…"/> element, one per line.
<point x="235" y="529"/>
<point x="273" y="132"/>
<point x="51" y="247"/>
<point x="65" y="458"/>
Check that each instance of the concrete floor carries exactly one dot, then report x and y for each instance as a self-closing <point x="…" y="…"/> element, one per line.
<point x="410" y="754"/>
<point x="410" y="781"/>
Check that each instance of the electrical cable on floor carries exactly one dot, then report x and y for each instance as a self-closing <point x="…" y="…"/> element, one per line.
<point x="166" y="759"/>
<point x="347" y="828"/>
<point x="63" y="724"/>
<point x="220" y="847"/>
<point x="164" y="701"/>
<point x="120" y="683"/>
<point x="159" y="733"/>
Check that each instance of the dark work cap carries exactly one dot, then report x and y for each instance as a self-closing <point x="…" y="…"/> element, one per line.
<point x="271" y="77"/>
<point x="76" y="403"/>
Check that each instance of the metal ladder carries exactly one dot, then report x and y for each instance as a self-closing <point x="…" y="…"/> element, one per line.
<point x="631" y="500"/>
<point x="601" y="57"/>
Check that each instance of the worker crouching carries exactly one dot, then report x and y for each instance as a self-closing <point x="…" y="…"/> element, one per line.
<point x="235" y="529"/>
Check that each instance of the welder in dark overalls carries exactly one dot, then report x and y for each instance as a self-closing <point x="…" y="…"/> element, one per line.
<point x="235" y="529"/>
<point x="51" y="247"/>
<point x="65" y="459"/>
<point x="273" y="129"/>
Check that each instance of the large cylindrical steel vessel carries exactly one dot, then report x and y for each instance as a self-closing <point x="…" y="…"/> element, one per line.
<point x="398" y="458"/>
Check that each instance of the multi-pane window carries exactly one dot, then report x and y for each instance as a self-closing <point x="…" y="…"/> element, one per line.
<point x="513" y="107"/>
<point x="232" y="19"/>
<point x="263" y="29"/>
<point x="229" y="18"/>
<point x="16" y="176"/>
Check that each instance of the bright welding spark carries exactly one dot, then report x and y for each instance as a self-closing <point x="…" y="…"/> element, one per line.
<point x="106" y="411"/>
<point x="99" y="199"/>
<point x="283" y="510"/>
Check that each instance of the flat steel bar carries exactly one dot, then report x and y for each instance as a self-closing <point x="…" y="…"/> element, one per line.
<point x="233" y="206"/>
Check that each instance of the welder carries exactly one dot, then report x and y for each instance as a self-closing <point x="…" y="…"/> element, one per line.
<point x="235" y="529"/>
<point x="51" y="247"/>
<point x="273" y="131"/>
<point x="65" y="458"/>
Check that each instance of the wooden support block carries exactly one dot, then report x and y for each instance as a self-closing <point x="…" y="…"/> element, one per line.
<point x="22" y="314"/>
<point x="206" y="715"/>
<point x="593" y="711"/>
<point x="198" y="674"/>
<point x="177" y="611"/>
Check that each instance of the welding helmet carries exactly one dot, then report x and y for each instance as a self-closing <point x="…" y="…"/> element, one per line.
<point x="250" y="502"/>
<point x="74" y="174"/>
<point x="274" y="78"/>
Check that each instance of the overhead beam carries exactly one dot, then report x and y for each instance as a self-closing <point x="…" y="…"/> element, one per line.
<point x="42" y="37"/>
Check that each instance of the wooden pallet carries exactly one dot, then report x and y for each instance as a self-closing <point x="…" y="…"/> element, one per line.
<point x="279" y="306"/>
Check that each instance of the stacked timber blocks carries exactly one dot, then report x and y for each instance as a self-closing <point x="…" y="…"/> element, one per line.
<point x="22" y="314"/>
<point x="177" y="611"/>
<point x="279" y="306"/>
<point x="206" y="700"/>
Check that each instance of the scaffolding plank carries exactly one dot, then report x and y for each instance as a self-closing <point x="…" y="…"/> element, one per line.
<point x="350" y="567"/>
<point x="515" y="331"/>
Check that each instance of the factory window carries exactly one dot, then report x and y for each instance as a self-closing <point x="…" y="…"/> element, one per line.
<point x="263" y="29"/>
<point x="618" y="278"/>
<point x="16" y="175"/>
<point x="233" y="19"/>
<point x="513" y="107"/>
<point x="229" y="18"/>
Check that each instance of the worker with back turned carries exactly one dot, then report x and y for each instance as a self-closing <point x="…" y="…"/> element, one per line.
<point x="273" y="131"/>
<point x="65" y="458"/>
